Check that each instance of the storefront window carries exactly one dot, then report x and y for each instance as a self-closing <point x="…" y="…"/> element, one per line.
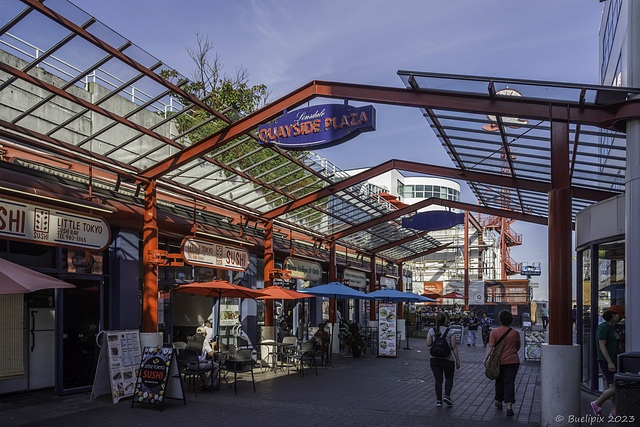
<point x="611" y="278"/>
<point x="586" y="316"/>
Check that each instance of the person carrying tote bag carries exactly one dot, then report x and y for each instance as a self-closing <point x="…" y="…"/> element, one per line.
<point x="509" y="341"/>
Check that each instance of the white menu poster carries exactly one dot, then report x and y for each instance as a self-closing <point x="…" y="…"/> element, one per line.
<point x="124" y="360"/>
<point x="118" y="363"/>
<point x="387" y="329"/>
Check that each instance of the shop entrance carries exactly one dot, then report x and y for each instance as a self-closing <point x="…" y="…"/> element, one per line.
<point x="78" y="326"/>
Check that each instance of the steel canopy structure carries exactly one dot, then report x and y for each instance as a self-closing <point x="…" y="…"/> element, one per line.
<point x="530" y="150"/>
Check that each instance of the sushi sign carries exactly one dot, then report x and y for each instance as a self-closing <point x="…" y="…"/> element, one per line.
<point x="215" y="255"/>
<point x="321" y="125"/>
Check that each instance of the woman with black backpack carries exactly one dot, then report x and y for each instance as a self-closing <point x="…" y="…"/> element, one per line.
<point x="444" y="357"/>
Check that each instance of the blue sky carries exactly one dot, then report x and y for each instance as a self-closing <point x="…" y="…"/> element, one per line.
<point x="285" y="44"/>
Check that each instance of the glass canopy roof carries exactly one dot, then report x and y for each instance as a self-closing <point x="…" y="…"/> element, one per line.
<point x="75" y="90"/>
<point x="88" y="94"/>
<point x="519" y="147"/>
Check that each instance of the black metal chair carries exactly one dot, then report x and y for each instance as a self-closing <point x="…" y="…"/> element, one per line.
<point x="306" y="353"/>
<point x="190" y="368"/>
<point x="238" y="362"/>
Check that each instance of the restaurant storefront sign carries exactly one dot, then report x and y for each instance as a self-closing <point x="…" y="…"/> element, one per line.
<point x="215" y="255"/>
<point x="320" y="125"/>
<point x="357" y="279"/>
<point x="302" y="269"/>
<point x="47" y="225"/>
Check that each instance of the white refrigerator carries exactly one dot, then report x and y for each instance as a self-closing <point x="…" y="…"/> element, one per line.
<point x="42" y="348"/>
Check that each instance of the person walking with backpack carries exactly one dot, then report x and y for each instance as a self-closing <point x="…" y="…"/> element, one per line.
<point x="444" y="357"/>
<point x="509" y="361"/>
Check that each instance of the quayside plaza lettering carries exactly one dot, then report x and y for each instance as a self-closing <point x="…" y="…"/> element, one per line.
<point x="322" y="125"/>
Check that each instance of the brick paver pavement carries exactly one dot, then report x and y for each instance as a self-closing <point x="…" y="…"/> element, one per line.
<point x="369" y="391"/>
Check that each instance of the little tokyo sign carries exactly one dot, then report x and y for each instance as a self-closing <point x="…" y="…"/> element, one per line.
<point x="52" y="226"/>
<point x="322" y="125"/>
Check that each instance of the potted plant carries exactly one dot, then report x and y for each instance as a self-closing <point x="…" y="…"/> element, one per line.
<point x="353" y="338"/>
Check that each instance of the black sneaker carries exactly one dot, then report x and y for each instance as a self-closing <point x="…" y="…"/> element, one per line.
<point x="439" y="403"/>
<point x="447" y="400"/>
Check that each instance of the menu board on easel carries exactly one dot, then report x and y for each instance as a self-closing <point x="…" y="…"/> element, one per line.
<point x="387" y="330"/>
<point x="153" y="375"/>
<point x="118" y="363"/>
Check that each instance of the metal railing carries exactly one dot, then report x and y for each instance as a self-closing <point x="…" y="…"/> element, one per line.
<point x="64" y="70"/>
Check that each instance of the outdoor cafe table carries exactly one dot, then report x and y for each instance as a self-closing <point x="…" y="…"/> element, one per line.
<point x="279" y="350"/>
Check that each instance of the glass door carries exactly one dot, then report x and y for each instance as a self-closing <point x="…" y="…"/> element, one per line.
<point x="79" y="324"/>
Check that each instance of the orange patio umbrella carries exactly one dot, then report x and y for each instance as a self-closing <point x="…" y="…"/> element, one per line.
<point x="454" y="295"/>
<point x="218" y="289"/>
<point x="432" y="295"/>
<point x="276" y="292"/>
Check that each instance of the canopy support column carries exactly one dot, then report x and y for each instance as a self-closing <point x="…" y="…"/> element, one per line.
<point x="466" y="259"/>
<point x="560" y="367"/>
<point x="560" y="326"/>
<point x="269" y="265"/>
<point x="400" y="287"/>
<point x="373" y="286"/>
<point x="150" y="247"/>
<point x="333" y="277"/>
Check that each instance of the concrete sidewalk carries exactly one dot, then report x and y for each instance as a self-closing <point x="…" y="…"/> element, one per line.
<point x="369" y="391"/>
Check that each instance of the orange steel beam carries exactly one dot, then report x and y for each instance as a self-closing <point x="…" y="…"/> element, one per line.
<point x="601" y="116"/>
<point x="425" y="253"/>
<point x="333" y="277"/>
<point x="441" y="202"/>
<point x="475" y="103"/>
<point x="269" y="265"/>
<point x="466" y="259"/>
<point x="231" y="132"/>
<point x="560" y="238"/>
<point x="150" y="245"/>
<point x="399" y="287"/>
<point x="37" y="5"/>
<point x="373" y="286"/>
<point x="475" y="223"/>
<point x="443" y="171"/>
<point x="86" y="104"/>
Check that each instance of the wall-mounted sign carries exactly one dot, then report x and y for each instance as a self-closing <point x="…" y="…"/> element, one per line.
<point x="229" y="314"/>
<point x="387" y="282"/>
<point x="215" y="255"/>
<point x="321" y="125"/>
<point x="301" y="269"/>
<point x="52" y="226"/>
<point x="357" y="279"/>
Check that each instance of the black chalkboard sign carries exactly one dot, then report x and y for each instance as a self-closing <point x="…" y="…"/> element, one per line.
<point x="153" y="375"/>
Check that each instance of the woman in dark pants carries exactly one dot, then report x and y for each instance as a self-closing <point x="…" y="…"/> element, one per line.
<point x="444" y="366"/>
<point x="509" y="362"/>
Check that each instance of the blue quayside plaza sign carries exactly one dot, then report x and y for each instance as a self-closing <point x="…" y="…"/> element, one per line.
<point x="321" y="125"/>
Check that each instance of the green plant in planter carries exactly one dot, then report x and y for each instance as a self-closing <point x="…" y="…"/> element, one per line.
<point x="353" y="338"/>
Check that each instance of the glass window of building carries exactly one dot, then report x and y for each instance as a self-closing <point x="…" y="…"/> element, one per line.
<point x="586" y="316"/>
<point x="611" y="278"/>
<point x="400" y="188"/>
<point x="609" y="32"/>
<point x="408" y="191"/>
<point x="443" y="192"/>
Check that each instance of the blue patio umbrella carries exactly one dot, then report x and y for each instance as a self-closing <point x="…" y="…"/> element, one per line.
<point x="392" y="295"/>
<point x="336" y="290"/>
